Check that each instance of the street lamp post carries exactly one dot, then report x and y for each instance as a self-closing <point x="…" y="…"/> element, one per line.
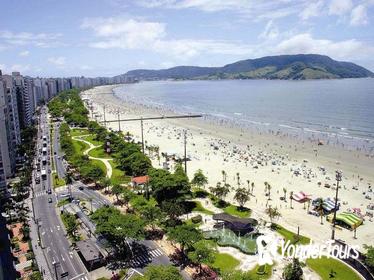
<point x="338" y="178"/>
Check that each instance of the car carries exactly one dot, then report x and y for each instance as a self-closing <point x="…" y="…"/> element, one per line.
<point x="50" y="200"/>
<point x="49" y="191"/>
<point x="55" y="153"/>
<point x="81" y="188"/>
<point x="49" y="170"/>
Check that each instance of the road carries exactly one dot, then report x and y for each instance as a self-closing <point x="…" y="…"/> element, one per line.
<point x="152" y="254"/>
<point x="60" y="257"/>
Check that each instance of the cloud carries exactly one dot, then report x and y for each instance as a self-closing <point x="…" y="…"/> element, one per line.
<point x="270" y="32"/>
<point x="43" y="40"/>
<point x="19" y="68"/>
<point x="359" y="16"/>
<point x="305" y="43"/>
<point x="58" y="61"/>
<point x="142" y="35"/>
<point x="24" y="53"/>
<point x="340" y="7"/>
<point x="251" y="9"/>
<point x="124" y="33"/>
<point x="311" y="10"/>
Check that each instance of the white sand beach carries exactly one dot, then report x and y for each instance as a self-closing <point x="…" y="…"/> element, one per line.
<point x="259" y="158"/>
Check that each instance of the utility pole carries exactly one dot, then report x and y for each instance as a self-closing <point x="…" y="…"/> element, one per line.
<point x="141" y="127"/>
<point x="55" y="264"/>
<point x="338" y="177"/>
<point x="119" y="122"/>
<point x="185" y="151"/>
<point x="104" y="116"/>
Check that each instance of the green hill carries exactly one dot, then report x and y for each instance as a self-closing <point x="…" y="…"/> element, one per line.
<point x="289" y="67"/>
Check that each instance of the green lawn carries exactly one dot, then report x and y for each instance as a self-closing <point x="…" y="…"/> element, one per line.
<point x="99" y="153"/>
<point x="57" y="182"/>
<point x="289" y="235"/>
<point x="99" y="164"/>
<point x="225" y="262"/>
<point x="324" y="265"/>
<point x="78" y="132"/>
<point x="118" y="176"/>
<point x="255" y="275"/>
<point x="90" y="138"/>
<point x="236" y="211"/>
<point x="63" y="202"/>
<point x="200" y="208"/>
<point x="79" y="147"/>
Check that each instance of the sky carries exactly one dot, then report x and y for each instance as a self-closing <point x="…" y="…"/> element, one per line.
<point x="110" y="37"/>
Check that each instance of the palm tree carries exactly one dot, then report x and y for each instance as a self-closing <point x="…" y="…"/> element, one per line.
<point x="291" y="198"/>
<point x="238" y="179"/>
<point x="224" y="176"/>
<point x="272" y="212"/>
<point x="241" y="196"/>
<point x="285" y="193"/>
<point x="269" y="191"/>
<point x="319" y="208"/>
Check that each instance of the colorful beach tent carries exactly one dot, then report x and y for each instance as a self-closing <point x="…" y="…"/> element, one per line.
<point x="300" y="197"/>
<point x="328" y="204"/>
<point x="347" y="218"/>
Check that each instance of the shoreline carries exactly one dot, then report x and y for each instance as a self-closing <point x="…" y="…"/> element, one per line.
<point x="237" y="150"/>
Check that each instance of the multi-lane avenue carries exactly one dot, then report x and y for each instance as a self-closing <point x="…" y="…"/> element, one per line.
<point x="62" y="260"/>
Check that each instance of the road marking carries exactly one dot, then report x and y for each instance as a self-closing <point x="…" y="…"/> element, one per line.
<point x="79" y="275"/>
<point x="51" y="230"/>
<point x="62" y="258"/>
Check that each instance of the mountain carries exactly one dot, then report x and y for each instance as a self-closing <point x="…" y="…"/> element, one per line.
<point x="288" y="67"/>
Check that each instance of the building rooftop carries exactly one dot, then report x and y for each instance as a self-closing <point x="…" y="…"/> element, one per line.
<point x="140" y="180"/>
<point x="89" y="250"/>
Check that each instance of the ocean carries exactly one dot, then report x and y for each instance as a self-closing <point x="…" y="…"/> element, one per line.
<point x="336" y="111"/>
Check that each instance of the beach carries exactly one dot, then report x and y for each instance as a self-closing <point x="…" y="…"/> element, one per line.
<point x="284" y="162"/>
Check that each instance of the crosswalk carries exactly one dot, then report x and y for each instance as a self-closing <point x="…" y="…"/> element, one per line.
<point x="39" y="194"/>
<point x="145" y="258"/>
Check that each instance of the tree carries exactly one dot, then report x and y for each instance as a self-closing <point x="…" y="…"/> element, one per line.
<point x="241" y="196"/>
<point x="117" y="190"/>
<point x="319" y="208"/>
<point x="369" y="256"/>
<point x="285" y="193"/>
<point x="272" y="212"/>
<point x="136" y="164"/>
<point x="160" y="272"/>
<point x="70" y="223"/>
<point x="293" y="271"/>
<point x="168" y="186"/>
<point x="186" y="235"/>
<point x="173" y="209"/>
<point x="126" y="196"/>
<point x="224" y="176"/>
<point x="291" y="198"/>
<point x="117" y="227"/>
<point x="199" y="179"/>
<point x="152" y="215"/>
<point x="203" y="253"/>
<point x="220" y="190"/>
<point x="105" y="182"/>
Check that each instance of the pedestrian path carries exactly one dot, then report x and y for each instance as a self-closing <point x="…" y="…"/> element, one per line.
<point x="145" y="258"/>
<point x="106" y="161"/>
<point x="39" y="194"/>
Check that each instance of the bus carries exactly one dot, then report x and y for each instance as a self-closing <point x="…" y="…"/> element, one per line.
<point x="44" y="174"/>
